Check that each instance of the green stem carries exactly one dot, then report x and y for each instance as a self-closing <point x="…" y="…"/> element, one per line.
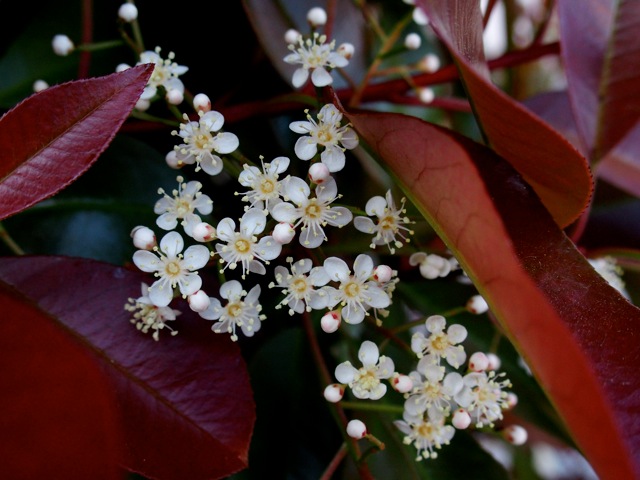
<point x="372" y="407"/>
<point x="9" y="242"/>
<point x="94" y="47"/>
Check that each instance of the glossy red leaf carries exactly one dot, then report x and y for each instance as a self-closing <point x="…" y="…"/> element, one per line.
<point x="185" y="403"/>
<point x="584" y="40"/>
<point x="558" y="173"/>
<point x="52" y="137"/>
<point x="56" y="414"/>
<point x="580" y="337"/>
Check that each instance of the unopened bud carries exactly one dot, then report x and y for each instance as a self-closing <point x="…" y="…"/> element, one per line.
<point x="426" y="95"/>
<point x="402" y="383"/>
<point x="142" y="105"/>
<point x="346" y="50"/>
<point x="515" y="434"/>
<point x="319" y="173"/>
<point x="128" y="12"/>
<point x="512" y="399"/>
<point x="494" y="361"/>
<point x="382" y="273"/>
<point x="62" y="45"/>
<point x="202" y="102"/>
<point x="477" y="305"/>
<point x="412" y="41"/>
<point x="199" y="301"/>
<point x="203" y="232"/>
<point x="317" y="17"/>
<point x="330" y="322"/>
<point x="40" y="85"/>
<point x="291" y="36"/>
<point x="283" y="233"/>
<point x="174" y="96"/>
<point x="121" y="67"/>
<point x="478" y="362"/>
<point x="143" y="238"/>
<point x="356" y="429"/>
<point x="461" y="419"/>
<point x="333" y="393"/>
<point x="430" y="63"/>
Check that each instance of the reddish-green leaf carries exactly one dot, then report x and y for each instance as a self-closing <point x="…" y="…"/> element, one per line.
<point x="557" y="172"/>
<point x="185" y="403"/>
<point x="57" y="416"/>
<point x="580" y="337"/>
<point x="52" y="137"/>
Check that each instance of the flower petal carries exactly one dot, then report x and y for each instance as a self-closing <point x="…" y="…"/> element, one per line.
<point x="345" y="373"/>
<point x="305" y="148"/>
<point x="368" y="353"/>
<point x="225" y="142"/>
<point x="231" y="290"/>
<point x="171" y="244"/>
<point x="196" y="257"/>
<point x="147" y="261"/>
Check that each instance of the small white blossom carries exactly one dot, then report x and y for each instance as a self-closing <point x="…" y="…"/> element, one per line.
<point x="243" y="247"/>
<point x="317" y="16"/>
<point x="319" y="173"/>
<point x="333" y="393"/>
<point x="326" y="132"/>
<point x="330" y="321"/>
<point x="432" y="390"/>
<point x="483" y="396"/>
<point x="202" y="102"/>
<point x="365" y="382"/>
<point x="149" y="317"/>
<point x="264" y="185"/>
<point x="241" y="310"/>
<point x="609" y="269"/>
<point x="315" y="55"/>
<point x="357" y="292"/>
<point x="172" y="267"/>
<point x="201" y="139"/>
<point x="431" y="265"/>
<point x="390" y="223"/>
<point x="312" y="213"/>
<point x="128" y="12"/>
<point x="186" y="200"/>
<point x="440" y="344"/>
<point x="143" y="237"/>
<point x="426" y="434"/>
<point x="299" y="284"/>
<point x="40" y="85"/>
<point x="165" y="74"/>
<point x="412" y="41"/>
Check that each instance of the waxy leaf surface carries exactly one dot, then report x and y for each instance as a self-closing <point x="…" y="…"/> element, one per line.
<point x="551" y="165"/>
<point x="56" y="412"/>
<point x="53" y="136"/>
<point x="185" y="404"/>
<point x="579" y="336"/>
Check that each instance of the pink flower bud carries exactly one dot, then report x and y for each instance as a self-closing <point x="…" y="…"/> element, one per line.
<point x="331" y="321"/>
<point x="319" y="173"/>
<point x="174" y="96"/>
<point x="203" y="232"/>
<point x="333" y="393"/>
<point x="346" y="50"/>
<point x="515" y="434"/>
<point x="283" y="233"/>
<point x="202" y="102"/>
<point x="512" y="399"/>
<point x="402" y="383"/>
<point x="477" y="305"/>
<point x="478" y="362"/>
<point x="461" y="419"/>
<point x="143" y="238"/>
<point x="356" y="429"/>
<point x="494" y="361"/>
<point x="382" y="273"/>
<point x="199" y="301"/>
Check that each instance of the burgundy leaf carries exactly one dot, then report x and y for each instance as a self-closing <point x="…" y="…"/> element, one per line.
<point x="621" y="165"/>
<point x="620" y="89"/>
<point x="52" y="137"/>
<point x="57" y="415"/>
<point x="557" y="172"/>
<point x="579" y="336"/>
<point x="185" y="403"/>
<point x="584" y="41"/>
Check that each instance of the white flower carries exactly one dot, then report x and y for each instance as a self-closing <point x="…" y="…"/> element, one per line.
<point x="425" y="434"/>
<point x="299" y="286"/>
<point x="316" y="55"/>
<point x="149" y="317"/>
<point x="242" y="310"/>
<point x="172" y="267"/>
<point x="243" y="247"/>
<point x="432" y="390"/>
<point x="165" y="74"/>
<point x="264" y="185"/>
<point x="390" y="224"/>
<point x="432" y="265"/>
<point x="609" y="269"/>
<point x="312" y="213"/>
<point x="365" y="382"/>
<point x="356" y="293"/>
<point x="327" y="133"/>
<point x="201" y="140"/>
<point x="440" y="344"/>
<point x="483" y="397"/>
<point x="186" y="200"/>
<point x="62" y="45"/>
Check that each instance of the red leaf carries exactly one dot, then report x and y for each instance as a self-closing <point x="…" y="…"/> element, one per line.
<point x="556" y="171"/>
<point x="56" y="413"/>
<point x="185" y="402"/>
<point x="580" y="337"/>
<point x="621" y="165"/>
<point x="52" y="137"/>
<point x="584" y="41"/>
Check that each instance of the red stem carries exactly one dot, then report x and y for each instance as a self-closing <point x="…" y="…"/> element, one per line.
<point x="87" y="37"/>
